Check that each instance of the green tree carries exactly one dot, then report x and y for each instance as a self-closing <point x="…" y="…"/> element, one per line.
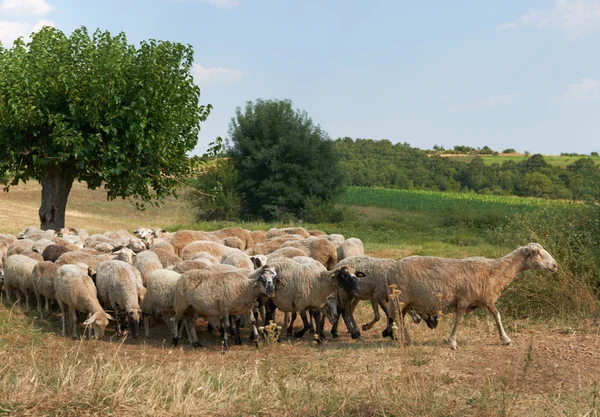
<point x="537" y="184"/>
<point x="284" y="160"/>
<point x="99" y="110"/>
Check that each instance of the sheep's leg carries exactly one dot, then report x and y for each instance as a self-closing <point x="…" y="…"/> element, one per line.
<point x="73" y="312"/>
<point x="503" y="336"/>
<point x="313" y="325"/>
<point x="376" y="316"/>
<point x="286" y="320"/>
<point x="147" y="326"/>
<point x="388" y="332"/>
<point x="27" y="300"/>
<point x="320" y="326"/>
<point x="238" y="337"/>
<point x="48" y="302"/>
<point x="290" y="326"/>
<point x="90" y="329"/>
<point x="62" y="306"/>
<point x="353" y="304"/>
<point x="354" y="333"/>
<point x="118" y="318"/>
<point x="38" y="298"/>
<point x="226" y="325"/>
<point x="306" y="323"/>
<point x="176" y="324"/>
<point x="460" y="315"/>
<point x="254" y="332"/>
<point x="334" y="328"/>
<point x="270" y="310"/>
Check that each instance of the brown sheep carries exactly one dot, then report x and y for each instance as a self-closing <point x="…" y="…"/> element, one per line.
<point x="166" y="257"/>
<point x="317" y="248"/>
<point x="234" y="242"/>
<point x="184" y="237"/>
<point x="317" y="233"/>
<point x="286" y="253"/>
<point x="244" y="235"/>
<point x="52" y="252"/>
<point x="271" y="245"/>
<point x="258" y="236"/>
<point x="272" y="233"/>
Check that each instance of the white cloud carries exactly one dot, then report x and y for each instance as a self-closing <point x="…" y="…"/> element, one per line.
<point x="586" y="91"/>
<point x="573" y="17"/>
<point x="9" y="31"/>
<point x="490" y="101"/>
<point x="20" y="8"/>
<point x="215" y="75"/>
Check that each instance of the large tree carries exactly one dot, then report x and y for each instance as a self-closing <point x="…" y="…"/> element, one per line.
<point x="285" y="162"/>
<point x="99" y="110"/>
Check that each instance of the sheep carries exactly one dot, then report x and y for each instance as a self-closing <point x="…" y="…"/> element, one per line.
<point x="183" y="237"/>
<point x="160" y="293"/>
<point x="31" y="254"/>
<point x="271" y="245"/>
<point x="161" y="243"/>
<point x="317" y="248"/>
<point x="258" y="236"/>
<point x="429" y="283"/>
<point x="146" y="262"/>
<point x="234" y="242"/>
<point x="185" y="266"/>
<point x="89" y="257"/>
<point x="53" y="252"/>
<point x="317" y="233"/>
<point x="42" y="277"/>
<point x="71" y="245"/>
<point x="124" y="254"/>
<point x="75" y="291"/>
<point x="33" y="233"/>
<point x="214" y="248"/>
<point x="17" y="271"/>
<point x="286" y="252"/>
<point x="336" y="239"/>
<point x="205" y="256"/>
<point x="40" y="245"/>
<point x="307" y="286"/>
<point x="118" y="287"/>
<point x="351" y="247"/>
<point x="238" y="259"/>
<point x="242" y="234"/>
<point x="272" y="233"/>
<point x="18" y="246"/>
<point x="221" y="294"/>
<point x="166" y="258"/>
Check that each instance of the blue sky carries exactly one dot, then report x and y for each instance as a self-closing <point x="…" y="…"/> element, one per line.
<point x="513" y="74"/>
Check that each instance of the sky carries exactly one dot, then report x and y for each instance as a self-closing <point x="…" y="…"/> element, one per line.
<point x="522" y="74"/>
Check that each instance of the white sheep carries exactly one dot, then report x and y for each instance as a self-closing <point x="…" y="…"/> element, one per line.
<point x="119" y="288"/>
<point x="350" y="247"/>
<point x="336" y="239"/>
<point x="214" y="293"/>
<point x="304" y="286"/>
<point x="42" y="278"/>
<point x="146" y="262"/>
<point x="160" y="295"/>
<point x="74" y="292"/>
<point x="17" y="272"/>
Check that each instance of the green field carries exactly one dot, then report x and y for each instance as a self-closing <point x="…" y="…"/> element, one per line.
<point x="555" y="160"/>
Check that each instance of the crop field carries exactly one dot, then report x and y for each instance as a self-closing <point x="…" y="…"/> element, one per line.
<point x="552" y="368"/>
<point x="555" y="160"/>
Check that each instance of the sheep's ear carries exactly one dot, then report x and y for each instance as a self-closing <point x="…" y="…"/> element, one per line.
<point x="117" y="248"/>
<point x="90" y="320"/>
<point x="108" y="316"/>
<point x="279" y="283"/>
<point x="525" y="250"/>
<point x="360" y="274"/>
<point x="256" y="262"/>
<point x="333" y="274"/>
<point x="534" y="250"/>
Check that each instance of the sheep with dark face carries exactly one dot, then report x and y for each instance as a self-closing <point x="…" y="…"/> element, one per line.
<point x="220" y="293"/>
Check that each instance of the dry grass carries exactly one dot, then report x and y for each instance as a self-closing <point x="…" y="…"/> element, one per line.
<point x="549" y="370"/>
<point x="87" y="209"/>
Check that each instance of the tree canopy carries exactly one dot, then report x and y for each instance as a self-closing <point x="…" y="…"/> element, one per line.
<point x="99" y="110"/>
<point x="285" y="162"/>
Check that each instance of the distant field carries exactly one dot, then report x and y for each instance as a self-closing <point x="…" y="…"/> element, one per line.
<point x="555" y="160"/>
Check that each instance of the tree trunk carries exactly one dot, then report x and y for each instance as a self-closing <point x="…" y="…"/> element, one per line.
<point x="55" y="192"/>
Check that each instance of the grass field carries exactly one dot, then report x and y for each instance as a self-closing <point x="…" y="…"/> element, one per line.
<point x="551" y="368"/>
<point x="555" y="160"/>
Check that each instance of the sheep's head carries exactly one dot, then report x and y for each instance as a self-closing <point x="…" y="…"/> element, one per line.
<point x="134" y="316"/>
<point x="98" y="321"/>
<point x="138" y="245"/>
<point x="536" y="257"/>
<point x="347" y="279"/>
<point x="267" y="277"/>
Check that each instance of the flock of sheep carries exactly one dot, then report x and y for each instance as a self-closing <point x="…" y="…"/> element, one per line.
<point x="232" y="275"/>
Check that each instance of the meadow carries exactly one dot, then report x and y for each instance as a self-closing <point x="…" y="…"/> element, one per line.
<point x="554" y="160"/>
<point x="550" y="369"/>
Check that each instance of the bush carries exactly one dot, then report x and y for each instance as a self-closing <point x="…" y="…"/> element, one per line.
<point x="509" y="150"/>
<point x="214" y="193"/>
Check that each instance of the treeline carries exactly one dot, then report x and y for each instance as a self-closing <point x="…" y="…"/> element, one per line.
<point x="367" y="162"/>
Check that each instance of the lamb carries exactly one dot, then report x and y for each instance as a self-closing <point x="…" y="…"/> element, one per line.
<point x="431" y="283"/>
<point x="146" y="262"/>
<point x="221" y="294"/>
<point x="273" y="233"/>
<point x="119" y="287"/>
<point x="75" y="291"/>
<point x="17" y="271"/>
<point x="305" y="286"/>
<point x="317" y="248"/>
<point x="42" y="278"/>
<point x="350" y="247"/>
<point x="183" y="237"/>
